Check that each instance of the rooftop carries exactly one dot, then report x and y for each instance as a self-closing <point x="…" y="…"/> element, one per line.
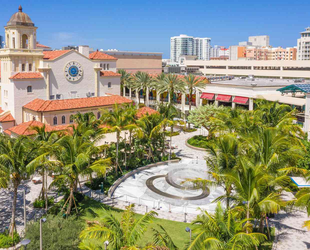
<point x="68" y="104"/>
<point x="52" y="55"/>
<point x="98" y="55"/>
<point x="26" y="75"/>
<point x="108" y="73"/>
<point x="20" y="18"/>
<point x="145" y="111"/>
<point x="257" y="82"/>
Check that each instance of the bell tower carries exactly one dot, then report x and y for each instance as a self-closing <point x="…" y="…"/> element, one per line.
<point x="20" y="32"/>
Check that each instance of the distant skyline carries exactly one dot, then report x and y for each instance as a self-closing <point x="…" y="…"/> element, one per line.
<point x="147" y="26"/>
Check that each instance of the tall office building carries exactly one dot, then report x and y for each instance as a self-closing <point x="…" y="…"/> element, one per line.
<point x="189" y="46"/>
<point x="260" y="41"/>
<point x="303" y="45"/>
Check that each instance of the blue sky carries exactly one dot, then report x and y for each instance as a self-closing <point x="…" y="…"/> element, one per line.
<point x="148" y="25"/>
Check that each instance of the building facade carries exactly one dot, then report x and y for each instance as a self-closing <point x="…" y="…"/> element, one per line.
<point x="132" y="61"/>
<point x="260" y="68"/>
<point x="189" y="46"/>
<point x="303" y="45"/>
<point x="28" y="73"/>
<point x="260" y="41"/>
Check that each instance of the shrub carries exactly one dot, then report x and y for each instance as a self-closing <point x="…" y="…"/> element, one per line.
<point x="39" y="203"/>
<point x="58" y="233"/>
<point x="198" y="141"/>
<point x="188" y="130"/>
<point x="6" y="240"/>
<point x="172" y="134"/>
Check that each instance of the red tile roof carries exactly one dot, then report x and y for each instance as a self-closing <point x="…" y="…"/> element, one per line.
<point x="7" y="117"/>
<point x="25" y="128"/>
<point x="67" y="104"/>
<point x="42" y="46"/>
<point x="26" y="75"/>
<point x="52" y="55"/>
<point x="108" y="73"/>
<point x="97" y="55"/>
<point x="1" y="110"/>
<point x="145" y="111"/>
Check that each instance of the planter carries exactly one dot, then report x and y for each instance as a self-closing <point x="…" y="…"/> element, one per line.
<point x="193" y="147"/>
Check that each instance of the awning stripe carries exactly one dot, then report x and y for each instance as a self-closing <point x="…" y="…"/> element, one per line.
<point x="223" y="98"/>
<point x="241" y="100"/>
<point x="207" y="96"/>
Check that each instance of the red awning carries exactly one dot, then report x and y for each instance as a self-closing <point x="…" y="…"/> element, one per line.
<point x="241" y="100"/>
<point x="207" y="96"/>
<point x="223" y="98"/>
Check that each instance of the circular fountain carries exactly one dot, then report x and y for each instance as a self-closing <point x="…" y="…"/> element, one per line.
<point x="170" y="184"/>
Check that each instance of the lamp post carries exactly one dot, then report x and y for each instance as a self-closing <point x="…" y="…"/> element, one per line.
<point x="25" y="219"/>
<point x="41" y="238"/>
<point x="106" y="243"/>
<point x="125" y="149"/>
<point x="25" y="242"/>
<point x="188" y="230"/>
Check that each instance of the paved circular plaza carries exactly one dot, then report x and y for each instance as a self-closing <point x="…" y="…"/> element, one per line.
<point x="167" y="187"/>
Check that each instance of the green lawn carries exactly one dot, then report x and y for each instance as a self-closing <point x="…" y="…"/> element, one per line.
<point x="176" y="230"/>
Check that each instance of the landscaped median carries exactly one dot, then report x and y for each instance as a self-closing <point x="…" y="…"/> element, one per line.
<point x="197" y="142"/>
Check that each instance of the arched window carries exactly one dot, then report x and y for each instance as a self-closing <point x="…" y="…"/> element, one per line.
<point x="29" y="89"/>
<point x="7" y="41"/>
<point x="33" y="118"/>
<point x="103" y="66"/>
<point x="71" y="118"/>
<point x="13" y="42"/>
<point x="98" y="115"/>
<point x="108" y="66"/>
<point x="25" y="41"/>
<point x="55" y="120"/>
<point x="30" y="67"/>
<point x="23" y="67"/>
<point x="63" y="119"/>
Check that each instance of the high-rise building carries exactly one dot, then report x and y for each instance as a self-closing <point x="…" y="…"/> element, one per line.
<point x="260" y="41"/>
<point x="303" y="45"/>
<point x="189" y="46"/>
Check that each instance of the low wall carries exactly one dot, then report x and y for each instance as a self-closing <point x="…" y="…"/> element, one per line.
<point x="193" y="147"/>
<point x="121" y="179"/>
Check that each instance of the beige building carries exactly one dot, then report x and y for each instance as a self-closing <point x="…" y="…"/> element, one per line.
<point x="137" y="61"/>
<point x="267" y="68"/>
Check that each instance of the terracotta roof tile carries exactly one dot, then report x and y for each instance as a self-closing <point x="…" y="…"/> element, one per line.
<point x="68" y="104"/>
<point x="7" y="117"/>
<point x="97" y="55"/>
<point x="42" y="46"/>
<point x="26" y="75"/>
<point x="8" y="132"/>
<point x="52" y="55"/>
<point x="145" y="111"/>
<point x="108" y="73"/>
<point x="1" y="110"/>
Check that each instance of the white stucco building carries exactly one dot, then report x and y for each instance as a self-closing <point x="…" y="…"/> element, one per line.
<point x="28" y="74"/>
<point x="189" y="46"/>
<point x="303" y="45"/>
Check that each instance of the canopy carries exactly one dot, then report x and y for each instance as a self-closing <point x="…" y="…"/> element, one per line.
<point x="207" y="96"/>
<point x="223" y="98"/>
<point x="241" y="100"/>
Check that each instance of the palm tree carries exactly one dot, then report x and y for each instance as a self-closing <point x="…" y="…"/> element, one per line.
<point x="125" y="79"/>
<point x="151" y="126"/>
<point x="172" y="84"/>
<point x="193" y="83"/>
<point x="76" y="156"/>
<point x="118" y="119"/>
<point x="102" y="225"/>
<point x="221" y="231"/>
<point x="143" y="80"/>
<point x="256" y="192"/>
<point x="15" y="155"/>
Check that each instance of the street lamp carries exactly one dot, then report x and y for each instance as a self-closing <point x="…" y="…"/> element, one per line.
<point x="125" y="149"/>
<point x="106" y="243"/>
<point x="188" y="230"/>
<point x="25" y="242"/>
<point x="41" y="240"/>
